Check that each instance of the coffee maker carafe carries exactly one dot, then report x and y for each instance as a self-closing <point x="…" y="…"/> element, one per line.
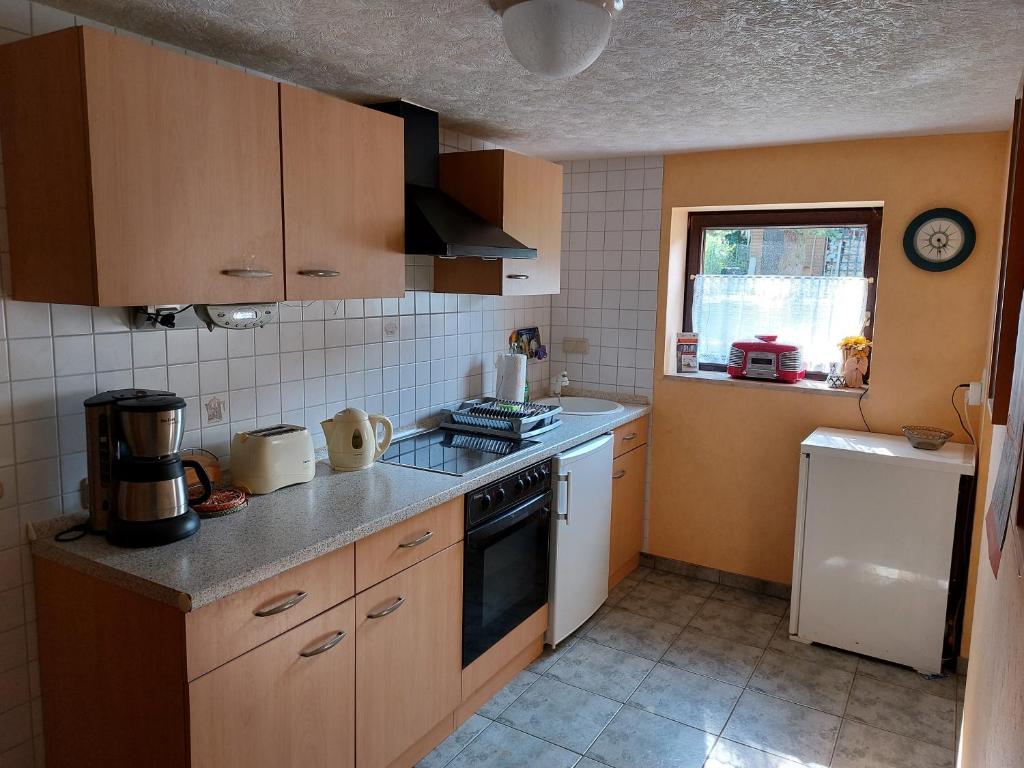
<point x="138" y="495"/>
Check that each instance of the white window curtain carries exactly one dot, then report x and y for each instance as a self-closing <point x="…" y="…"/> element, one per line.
<point x="814" y="312"/>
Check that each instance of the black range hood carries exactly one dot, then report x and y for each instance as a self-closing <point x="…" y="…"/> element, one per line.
<point x="436" y="224"/>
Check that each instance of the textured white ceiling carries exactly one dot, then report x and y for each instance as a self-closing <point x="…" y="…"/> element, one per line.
<point x="677" y="74"/>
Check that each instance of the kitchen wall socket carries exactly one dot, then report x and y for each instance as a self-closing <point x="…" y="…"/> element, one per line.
<point x="580" y="346"/>
<point x="974" y="393"/>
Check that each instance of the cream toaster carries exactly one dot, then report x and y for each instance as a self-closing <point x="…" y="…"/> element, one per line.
<point x="266" y="459"/>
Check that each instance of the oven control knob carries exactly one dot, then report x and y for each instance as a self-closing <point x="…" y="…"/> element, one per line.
<point x="532" y="479"/>
<point x="499" y="495"/>
<point x="485" y="501"/>
<point x="520" y="485"/>
<point x="544" y="472"/>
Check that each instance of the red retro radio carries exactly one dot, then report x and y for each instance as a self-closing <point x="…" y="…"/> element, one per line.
<point x="765" y="358"/>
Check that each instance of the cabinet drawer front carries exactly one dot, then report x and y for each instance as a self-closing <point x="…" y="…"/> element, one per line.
<point x="226" y="629"/>
<point x="631" y="435"/>
<point x="396" y="548"/>
<point x="288" y="702"/>
<point x="408" y="656"/>
<point x="628" y="484"/>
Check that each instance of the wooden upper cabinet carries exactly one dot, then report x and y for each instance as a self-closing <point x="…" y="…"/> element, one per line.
<point x="344" y="198"/>
<point x="523" y="196"/>
<point x="136" y="175"/>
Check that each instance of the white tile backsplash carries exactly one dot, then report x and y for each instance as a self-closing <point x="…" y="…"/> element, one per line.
<point x="611" y="233"/>
<point x="406" y="357"/>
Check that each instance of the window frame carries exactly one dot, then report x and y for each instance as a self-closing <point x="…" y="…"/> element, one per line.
<point x="697" y="222"/>
<point x="1011" y="277"/>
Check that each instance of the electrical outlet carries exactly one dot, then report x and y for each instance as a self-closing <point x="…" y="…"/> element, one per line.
<point x="575" y="346"/>
<point x="974" y="393"/>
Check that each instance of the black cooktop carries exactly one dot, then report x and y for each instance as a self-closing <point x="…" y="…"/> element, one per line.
<point x="451" y="453"/>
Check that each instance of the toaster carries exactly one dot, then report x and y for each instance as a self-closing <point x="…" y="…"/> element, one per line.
<point x="263" y="460"/>
<point x="764" y="357"/>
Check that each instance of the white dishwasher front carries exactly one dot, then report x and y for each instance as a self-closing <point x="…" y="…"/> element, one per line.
<point x="580" y="536"/>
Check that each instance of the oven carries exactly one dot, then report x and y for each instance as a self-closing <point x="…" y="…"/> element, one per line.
<point x="506" y="557"/>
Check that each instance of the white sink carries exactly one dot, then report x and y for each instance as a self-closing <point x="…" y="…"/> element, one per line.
<point x="583" y="406"/>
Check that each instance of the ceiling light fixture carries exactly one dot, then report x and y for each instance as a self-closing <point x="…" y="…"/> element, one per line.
<point x="556" y="38"/>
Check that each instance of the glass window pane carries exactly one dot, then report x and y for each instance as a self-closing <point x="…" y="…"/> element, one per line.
<point x="808" y="251"/>
<point x="813" y="312"/>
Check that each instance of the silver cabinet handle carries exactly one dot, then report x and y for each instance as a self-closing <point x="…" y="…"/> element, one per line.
<point x="630" y="436"/>
<point x="417" y="541"/>
<point x="319" y="272"/>
<point x="619" y="475"/>
<point x="325" y="646"/>
<point x="246" y="273"/>
<point x="518" y="277"/>
<point x="281" y="607"/>
<point x="399" y="602"/>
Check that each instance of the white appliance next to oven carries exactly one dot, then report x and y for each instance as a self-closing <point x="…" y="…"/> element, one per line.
<point x="580" y="533"/>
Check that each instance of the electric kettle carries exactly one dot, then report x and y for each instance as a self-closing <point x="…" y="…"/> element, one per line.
<point x="352" y="439"/>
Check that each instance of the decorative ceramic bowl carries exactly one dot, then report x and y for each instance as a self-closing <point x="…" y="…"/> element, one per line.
<point x="926" y="438"/>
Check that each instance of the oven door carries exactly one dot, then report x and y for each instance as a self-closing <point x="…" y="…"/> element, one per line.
<point x="505" y="574"/>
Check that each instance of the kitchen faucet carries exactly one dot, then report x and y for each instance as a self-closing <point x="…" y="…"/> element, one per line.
<point x="557" y="383"/>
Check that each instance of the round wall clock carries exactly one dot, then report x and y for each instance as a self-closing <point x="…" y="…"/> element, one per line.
<point x="939" y="239"/>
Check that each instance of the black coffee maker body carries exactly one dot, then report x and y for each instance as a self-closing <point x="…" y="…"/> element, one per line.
<point x="138" y="495"/>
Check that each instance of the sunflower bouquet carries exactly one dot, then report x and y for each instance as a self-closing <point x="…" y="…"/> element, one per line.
<point x="855" y="346"/>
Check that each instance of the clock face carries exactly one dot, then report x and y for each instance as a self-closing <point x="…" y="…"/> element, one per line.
<point x="939" y="239"/>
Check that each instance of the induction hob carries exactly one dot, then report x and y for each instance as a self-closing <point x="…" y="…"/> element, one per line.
<point x="451" y="453"/>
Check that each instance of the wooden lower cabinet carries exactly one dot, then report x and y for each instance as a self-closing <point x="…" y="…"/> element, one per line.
<point x="408" y="657"/>
<point x="290" y="701"/>
<point x="115" y="665"/>
<point x="627" y="537"/>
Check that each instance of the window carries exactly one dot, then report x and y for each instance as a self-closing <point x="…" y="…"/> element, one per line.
<point x="807" y="276"/>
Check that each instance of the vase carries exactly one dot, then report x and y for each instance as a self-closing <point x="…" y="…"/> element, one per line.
<point x="855" y="368"/>
<point x="835" y="379"/>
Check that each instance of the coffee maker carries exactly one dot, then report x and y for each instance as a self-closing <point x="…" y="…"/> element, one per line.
<point x="138" y="495"/>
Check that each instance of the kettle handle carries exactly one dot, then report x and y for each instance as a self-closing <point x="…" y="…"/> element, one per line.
<point x="384" y="421"/>
<point x="203" y="478"/>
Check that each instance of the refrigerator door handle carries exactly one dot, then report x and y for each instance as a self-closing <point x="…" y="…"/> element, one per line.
<point x="567" y="479"/>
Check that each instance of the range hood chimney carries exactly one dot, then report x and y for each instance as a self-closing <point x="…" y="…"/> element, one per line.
<point x="436" y="224"/>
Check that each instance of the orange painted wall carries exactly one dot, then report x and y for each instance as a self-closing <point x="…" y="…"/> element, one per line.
<point x="992" y="732"/>
<point x="993" y="718"/>
<point x="725" y="458"/>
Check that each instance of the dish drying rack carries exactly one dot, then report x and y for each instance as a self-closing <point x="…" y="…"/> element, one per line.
<point x="502" y="418"/>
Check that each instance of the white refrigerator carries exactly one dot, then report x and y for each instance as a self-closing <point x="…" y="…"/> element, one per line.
<point x="875" y="528"/>
<point x="580" y="536"/>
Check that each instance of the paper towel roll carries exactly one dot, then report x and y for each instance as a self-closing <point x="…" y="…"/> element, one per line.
<point x="511" y="384"/>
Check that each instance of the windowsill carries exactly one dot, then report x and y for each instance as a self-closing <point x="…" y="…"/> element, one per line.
<point x="806" y="386"/>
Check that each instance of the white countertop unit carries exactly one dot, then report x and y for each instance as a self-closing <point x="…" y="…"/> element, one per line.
<point x="957" y="458"/>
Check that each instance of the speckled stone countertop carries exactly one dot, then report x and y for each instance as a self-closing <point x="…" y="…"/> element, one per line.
<point x="296" y="524"/>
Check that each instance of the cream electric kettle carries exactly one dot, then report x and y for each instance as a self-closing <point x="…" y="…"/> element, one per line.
<point x="352" y="439"/>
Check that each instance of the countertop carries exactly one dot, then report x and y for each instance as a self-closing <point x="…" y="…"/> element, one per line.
<point x="956" y="458"/>
<point x="291" y="526"/>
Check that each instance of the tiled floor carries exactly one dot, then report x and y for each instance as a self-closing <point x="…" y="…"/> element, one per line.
<point x="679" y="673"/>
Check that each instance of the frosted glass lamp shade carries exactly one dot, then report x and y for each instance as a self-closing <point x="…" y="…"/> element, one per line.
<point x="557" y="38"/>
